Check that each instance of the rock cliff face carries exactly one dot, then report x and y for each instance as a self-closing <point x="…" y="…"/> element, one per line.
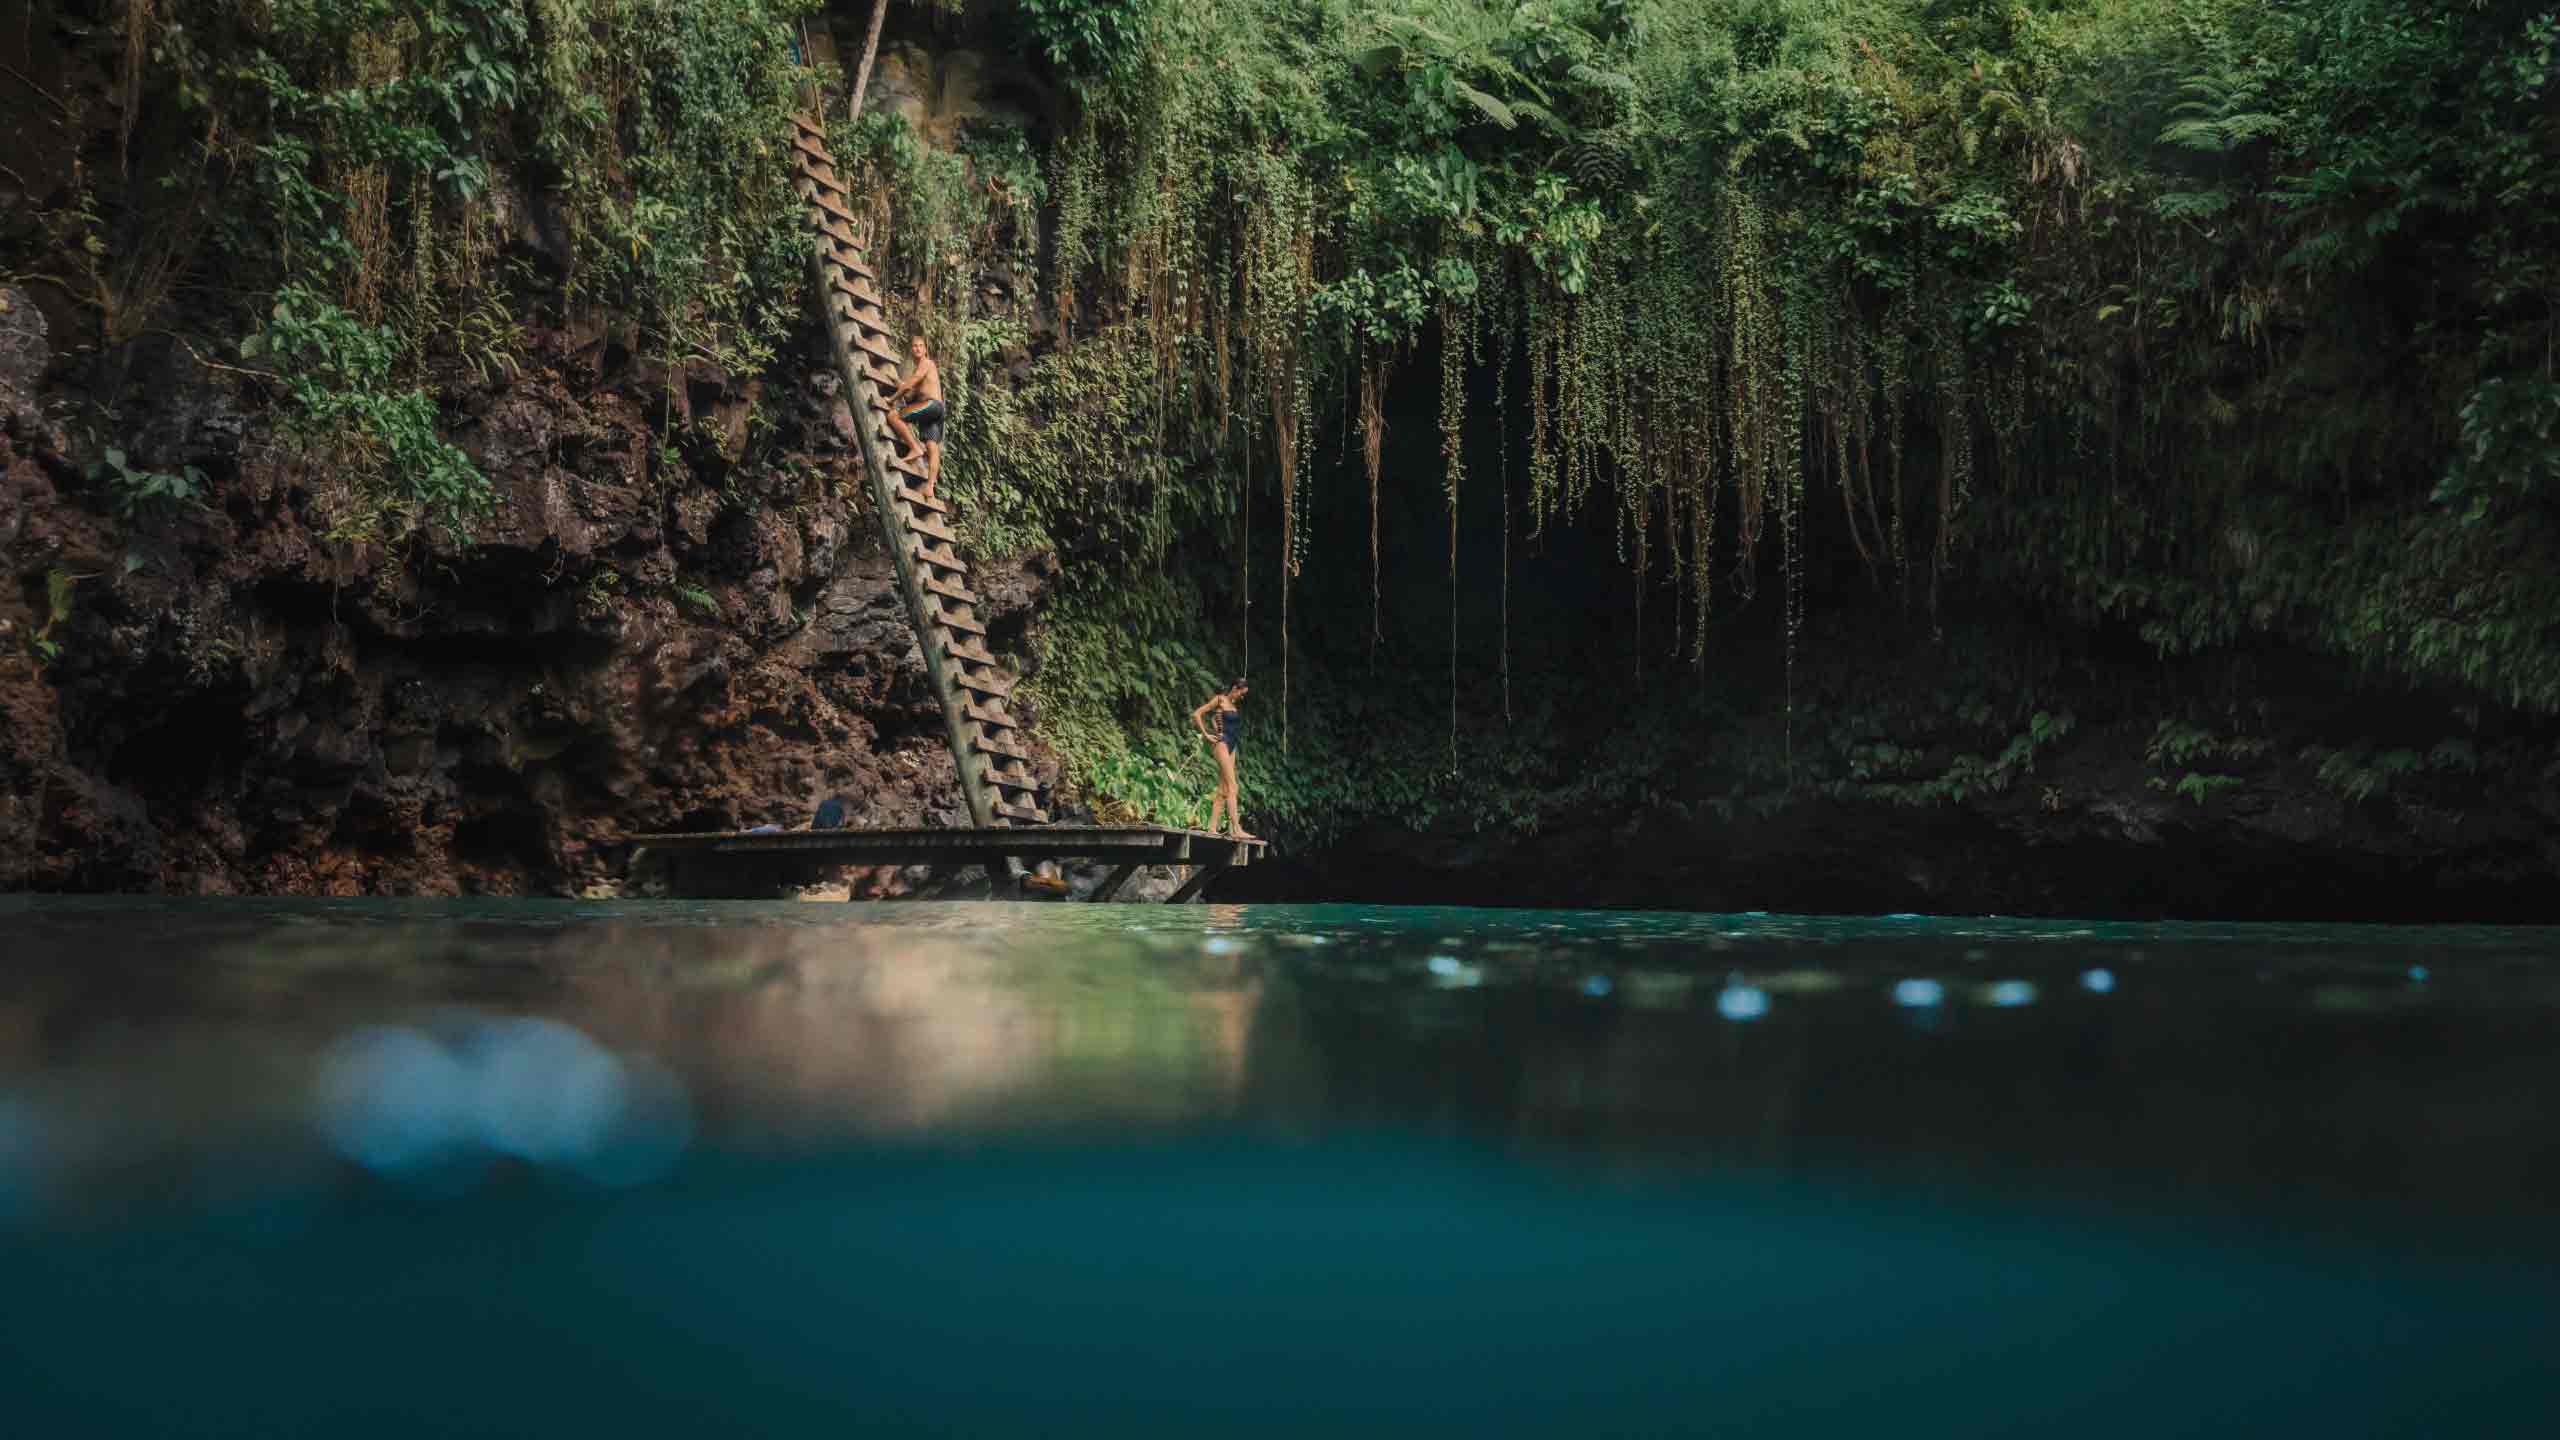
<point x="224" y="697"/>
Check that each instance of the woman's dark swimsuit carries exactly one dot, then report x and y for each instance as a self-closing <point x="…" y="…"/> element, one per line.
<point x="1227" y="723"/>
<point x="926" y="418"/>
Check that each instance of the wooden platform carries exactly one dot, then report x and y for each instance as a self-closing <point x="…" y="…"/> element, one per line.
<point x="1125" y="848"/>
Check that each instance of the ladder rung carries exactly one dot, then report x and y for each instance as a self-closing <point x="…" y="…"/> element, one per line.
<point x="959" y="623"/>
<point x="1022" y="782"/>
<point x="1031" y="813"/>
<point x="950" y="591"/>
<point x="991" y="746"/>
<point x="848" y="251"/>
<point x="973" y="652"/>
<point x="988" y="714"/>
<point x="923" y="526"/>
<point x="922" y="501"/>
<point x="820" y="167"/>
<point x="827" y="203"/>
<point x="983" y="684"/>
<point x="874" y="324"/>
<point x="928" y="555"/>
<point x="867" y="342"/>
<point x="866" y="303"/>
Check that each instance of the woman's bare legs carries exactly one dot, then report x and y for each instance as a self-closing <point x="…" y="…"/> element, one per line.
<point x="1227" y="792"/>
<point x="1226" y="785"/>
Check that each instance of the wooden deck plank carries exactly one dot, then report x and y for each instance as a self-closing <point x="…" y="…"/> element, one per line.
<point x="1148" y="845"/>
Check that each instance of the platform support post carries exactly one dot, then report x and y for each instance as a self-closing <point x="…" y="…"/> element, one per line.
<point x="1111" y="886"/>
<point x="1201" y="875"/>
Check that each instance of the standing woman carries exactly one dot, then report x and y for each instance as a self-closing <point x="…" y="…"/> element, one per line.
<point x="1222" y="743"/>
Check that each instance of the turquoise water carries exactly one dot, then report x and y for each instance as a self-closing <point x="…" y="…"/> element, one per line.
<point x="273" y="1168"/>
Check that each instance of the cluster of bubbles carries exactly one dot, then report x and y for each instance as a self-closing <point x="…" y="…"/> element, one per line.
<point x="406" y="1101"/>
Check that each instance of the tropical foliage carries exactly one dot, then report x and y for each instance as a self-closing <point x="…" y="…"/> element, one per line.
<point x="334" y="182"/>
<point x="2214" y="319"/>
<point x="2215" y="322"/>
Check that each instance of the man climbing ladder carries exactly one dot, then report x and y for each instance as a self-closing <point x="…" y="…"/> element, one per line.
<point x="918" y="401"/>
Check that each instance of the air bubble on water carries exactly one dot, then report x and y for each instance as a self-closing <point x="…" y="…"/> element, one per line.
<point x="2009" y="994"/>
<point x="543" y="1091"/>
<point x="400" y="1101"/>
<point x="1220" y="945"/>
<point x="1742" y="1002"/>
<point x="2098" y="981"/>
<point x="1918" y="994"/>
<point x="2418" y="973"/>
<point x="1450" y="971"/>
<point x="391" y="1099"/>
<point x="1596" y="986"/>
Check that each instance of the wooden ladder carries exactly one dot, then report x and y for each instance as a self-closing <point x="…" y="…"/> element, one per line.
<point x="988" y="746"/>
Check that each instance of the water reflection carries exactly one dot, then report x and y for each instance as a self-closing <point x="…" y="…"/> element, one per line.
<point x="163" y="1041"/>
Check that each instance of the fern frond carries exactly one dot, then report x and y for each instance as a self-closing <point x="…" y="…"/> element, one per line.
<point x="1494" y="110"/>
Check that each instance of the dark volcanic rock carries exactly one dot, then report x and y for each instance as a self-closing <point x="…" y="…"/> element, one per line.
<point x="238" y="702"/>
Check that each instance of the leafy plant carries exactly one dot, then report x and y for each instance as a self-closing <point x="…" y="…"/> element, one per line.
<point x="338" y="371"/>
<point x="2195" y="785"/>
<point x="137" y="490"/>
<point x="57" y="600"/>
<point x="1087" y="37"/>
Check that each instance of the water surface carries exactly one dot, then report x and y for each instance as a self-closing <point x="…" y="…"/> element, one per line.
<point x="318" y="1167"/>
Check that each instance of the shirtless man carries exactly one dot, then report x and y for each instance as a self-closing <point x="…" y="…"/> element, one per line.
<point x="918" y="399"/>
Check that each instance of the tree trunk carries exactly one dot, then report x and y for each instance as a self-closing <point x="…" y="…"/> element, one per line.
<point x="870" y="47"/>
